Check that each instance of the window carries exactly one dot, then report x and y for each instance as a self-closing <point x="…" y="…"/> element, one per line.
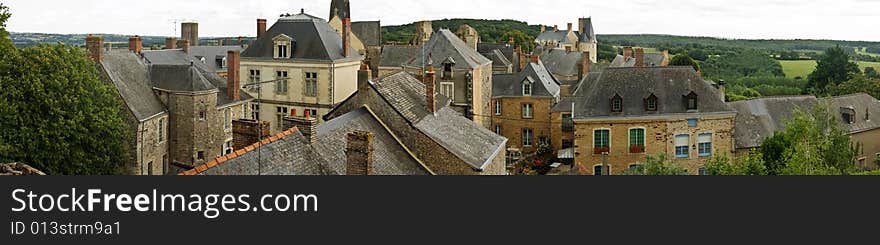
<point x="704" y="144"/>
<point x="255" y="112"/>
<point x="447" y="89"/>
<point x="447" y="70"/>
<point x="498" y="108"/>
<point x="527" y="137"/>
<point x="200" y="155"/>
<point x="601" y="141"/>
<point x="567" y="123"/>
<point x="280" y="113"/>
<point x="693" y="122"/>
<point x="651" y="103"/>
<point x="150" y="168"/>
<point x="227" y="119"/>
<point x="527" y="88"/>
<point x="281" y="83"/>
<point x="849" y="115"/>
<point x="682" y="146"/>
<point x="310" y="88"/>
<point x="527" y="111"/>
<point x="282" y="51"/>
<point x="691" y="101"/>
<point x="312" y="113"/>
<point x="227" y="148"/>
<point x="617" y="103"/>
<point x="498" y="129"/>
<point x="703" y="171"/>
<point x="223" y="63"/>
<point x="598" y="170"/>
<point x="254" y="76"/>
<point x="637" y="140"/>
<point x="161" y="130"/>
<point x="202" y="115"/>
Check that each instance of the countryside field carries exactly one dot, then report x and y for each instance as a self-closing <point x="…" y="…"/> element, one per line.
<point x="803" y="68"/>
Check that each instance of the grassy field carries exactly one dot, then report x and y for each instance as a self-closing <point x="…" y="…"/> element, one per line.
<point x="865" y="52"/>
<point x="803" y="68"/>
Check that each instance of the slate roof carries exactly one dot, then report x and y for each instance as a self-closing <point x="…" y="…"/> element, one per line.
<point x="587" y="81"/>
<point x="634" y="84"/>
<point x="288" y="154"/>
<point x="560" y="62"/>
<point x="212" y="55"/>
<point x="369" y="32"/>
<point x="406" y="94"/>
<point x="445" y="45"/>
<point x="760" y="118"/>
<point x="543" y="83"/>
<point x="180" y="78"/>
<point x="207" y="80"/>
<point x="314" y="39"/>
<point x="560" y="36"/>
<point x="398" y="55"/>
<point x="867" y="110"/>
<point x="498" y="58"/>
<point x="129" y="75"/>
<point x="588" y="34"/>
<point x="651" y="59"/>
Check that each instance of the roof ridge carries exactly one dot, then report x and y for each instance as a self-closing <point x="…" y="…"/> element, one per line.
<point x="220" y="160"/>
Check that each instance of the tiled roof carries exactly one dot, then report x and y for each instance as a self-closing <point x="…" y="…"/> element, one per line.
<point x="369" y="32"/>
<point x="314" y="39"/>
<point x="129" y="75"/>
<point x="544" y="84"/>
<point x="444" y="45"/>
<point x="760" y="118"/>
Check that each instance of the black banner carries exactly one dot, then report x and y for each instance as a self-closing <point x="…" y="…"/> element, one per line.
<point x="414" y="210"/>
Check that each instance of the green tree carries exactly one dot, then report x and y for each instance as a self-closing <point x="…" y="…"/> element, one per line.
<point x="858" y="84"/>
<point x="750" y="165"/>
<point x="813" y="143"/>
<point x="870" y="72"/>
<point x="684" y="60"/>
<point x="742" y="63"/>
<point x="834" y="67"/>
<point x="520" y="39"/>
<point x="656" y="166"/>
<point x="56" y="115"/>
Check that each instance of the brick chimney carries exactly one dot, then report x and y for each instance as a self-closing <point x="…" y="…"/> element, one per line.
<point x="307" y="126"/>
<point x="640" y="57"/>
<point x="535" y="59"/>
<point x="570" y="26"/>
<point x="246" y="132"/>
<point x="364" y="75"/>
<point x="261" y="27"/>
<point x="627" y="53"/>
<point x="346" y="37"/>
<point x="95" y="45"/>
<point x="233" y="75"/>
<point x="171" y="43"/>
<point x="135" y="44"/>
<point x="582" y="24"/>
<point x="523" y="60"/>
<point x="430" y="78"/>
<point x="359" y="153"/>
<point x="584" y="65"/>
<point x="184" y="44"/>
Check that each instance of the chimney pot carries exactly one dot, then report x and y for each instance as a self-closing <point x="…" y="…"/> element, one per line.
<point x="233" y="74"/>
<point x="640" y="57"/>
<point x="171" y="43"/>
<point x="307" y="126"/>
<point x="535" y="59"/>
<point x="135" y="44"/>
<point x="364" y="75"/>
<point x="346" y="37"/>
<point x="359" y="153"/>
<point x="184" y="44"/>
<point x="261" y="27"/>
<point x="95" y="45"/>
<point x="627" y="53"/>
<point x="543" y="28"/>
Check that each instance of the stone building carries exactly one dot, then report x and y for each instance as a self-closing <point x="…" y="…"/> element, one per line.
<point x="424" y="32"/>
<point x="522" y="107"/>
<point x="180" y="113"/>
<point x="464" y="76"/>
<point x="423" y="121"/>
<point x="638" y="58"/>
<point x="469" y="35"/>
<point x="581" y="40"/>
<point x="366" y="36"/>
<point x="626" y="114"/>
<point x="312" y="66"/>
<point x="860" y="115"/>
<point x="506" y="59"/>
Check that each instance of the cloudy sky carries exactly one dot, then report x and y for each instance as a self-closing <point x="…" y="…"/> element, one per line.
<point x="785" y="19"/>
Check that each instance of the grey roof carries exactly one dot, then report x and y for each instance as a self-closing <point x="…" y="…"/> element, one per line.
<point x="389" y="157"/>
<point x="180" y="78"/>
<point x="544" y="84"/>
<point x="341" y="8"/>
<point x="369" y="32"/>
<point x="471" y="143"/>
<point x="398" y="55"/>
<point x="498" y="58"/>
<point x="129" y="75"/>
<point x="178" y="58"/>
<point x="290" y="155"/>
<point x="561" y="62"/>
<point x="507" y="50"/>
<point x="444" y="45"/>
<point x="760" y="118"/>
<point x="313" y="37"/>
<point x="560" y="36"/>
<point x="867" y="110"/>
<point x="588" y="80"/>
<point x="565" y="104"/>
<point x="213" y="55"/>
<point x="651" y="59"/>
<point x="634" y="84"/>
<point x="588" y="34"/>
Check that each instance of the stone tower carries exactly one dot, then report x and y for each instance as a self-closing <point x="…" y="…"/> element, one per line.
<point x="469" y="35"/>
<point x="424" y="30"/>
<point x="340" y="8"/>
<point x="190" y="31"/>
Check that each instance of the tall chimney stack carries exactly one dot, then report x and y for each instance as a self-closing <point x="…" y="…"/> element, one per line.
<point x="171" y="43"/>
<point x="261" y="27"/>
<point x="135" y="44"/>
<point x="627" y="53"/>
<point x="582" y="25"/>
<point x="359" y="153"/>
<point x="665" y="61"/>
<point x="364" y="75"/>
<point x="190" y="31"/>
<point x="430" y="80"/>
<point x="346" y="37"/>
<point x="584" y="66"/>
<point x="95" y="45"/>
<point x="233" y="75"/>
<point x="307" y="126"/>
<point x="184" y="44"/>
<point x="570" y="26"/>
<point x="640" y="57"/>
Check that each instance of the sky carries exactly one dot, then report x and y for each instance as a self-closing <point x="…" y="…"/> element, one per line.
<point x="744" y="19"/>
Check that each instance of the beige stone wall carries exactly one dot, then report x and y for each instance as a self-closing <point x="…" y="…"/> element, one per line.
<point x="151" y="149"/>
<point x="512" y="123"/>
<point x="356" y="42"/>
<point x="659" y="139"/>
<point x="556" y="133"/>
<point x="870" y="141"/>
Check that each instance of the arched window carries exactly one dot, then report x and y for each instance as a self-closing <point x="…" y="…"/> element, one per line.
<point x="527" y="88"/>
<point x="617" y="103"/>
<point x="651" y="103"/>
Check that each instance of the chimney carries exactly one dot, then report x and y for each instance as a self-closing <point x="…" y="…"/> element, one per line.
<point x="233" y="75"/>
<point x="640" y="57"/>
<point x="261" y="27"/>
<point x="721" y="89"/>
<point x="184" y="44"/>
<point x="584" y="66"/>
<point x="246" y="132"/>
<point x="665" y="61"/>
<point x="190" y="31"/>
<point x="135" y="44"/>
<point x="582" y="24"/>
<point x="240" y="40"/>
<point x="307" y="126"/>
<point x="555" y="27"/>
<point x="627" y="53"/>
<point x="430" y="78"/>
<point x="171" y="43"/>
<point x="543" y="28"/>
<point x="535" y="58"/>
<point x="364" y="75"/>
<point x="95" y="45"/>
<point x="569" y="27"/>
<point x="522" y="58"/>
<point x="346" y="37"/>
<point x="359" y="153"/>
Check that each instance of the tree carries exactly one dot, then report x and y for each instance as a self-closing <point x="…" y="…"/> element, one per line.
<point x="871" y="72"/>
<point x="858" y="84"/>
<point x="742" y="63"/>
<point x="813" y="143"/>
<point x="520" y="39"/>
<point x="656" y="166"/>
<point x="684" y="60"/>
<point x="833" y="68"/>
<point x="6" y="48"/>
<point x="750" y="165"/>
<point x="57" y="116"/>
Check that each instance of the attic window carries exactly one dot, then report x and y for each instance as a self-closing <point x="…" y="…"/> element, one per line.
<point x="222" y="62"/>
<point x="282" y="51"/>
<point x="651" y="103"/>
<point x="691" y="101"/>
<point x="849" y="115"/>
<point x="617" y="103"/>
<point x="527" y="88"/>
<point x="282" y="46"/>
<point x="447" y="70"/>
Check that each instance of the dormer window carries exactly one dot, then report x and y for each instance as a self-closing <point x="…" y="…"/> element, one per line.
<point x="282" y="51"/>
<point x="223" y="63"/>
<point x="283" y="46"/>
<point x="651" y="103"/>
<point x="527" y="88"/>
<point x="691" y="101"/>
<point x="448" y="73"/>
<point x="849" y="115"/>
<point x="617" y="103"/>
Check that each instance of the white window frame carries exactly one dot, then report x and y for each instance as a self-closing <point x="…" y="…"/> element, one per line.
<point x="279" y="116"/>
<point x="448" y="89"/>
<point x="160" y="133"/>
<point x="687" y="146"/>
<point x="527" y="88"/>
<point x="498" y="107"/>
<point x="531" y="139"/>
<point x="528" y="111"/>
<point x="603" y="170"/>
<point x="644" y="139"/>
<point x="282" y="86"/>
<point x="498" y="129"/>
<point x="227" y="119"/>
<point x="310" y="84"/>
<point x="227" y="148"/>
<point x="711" y="143"/>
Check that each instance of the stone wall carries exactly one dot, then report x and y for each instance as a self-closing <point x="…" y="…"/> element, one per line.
<point x="870" y="141"/>
<point x="512" y="122"/>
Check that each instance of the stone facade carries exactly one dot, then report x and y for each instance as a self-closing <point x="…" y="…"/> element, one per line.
<point x="472" y="91"/>
<point x="870" y="141"/>
<point x="513" y="123"/>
